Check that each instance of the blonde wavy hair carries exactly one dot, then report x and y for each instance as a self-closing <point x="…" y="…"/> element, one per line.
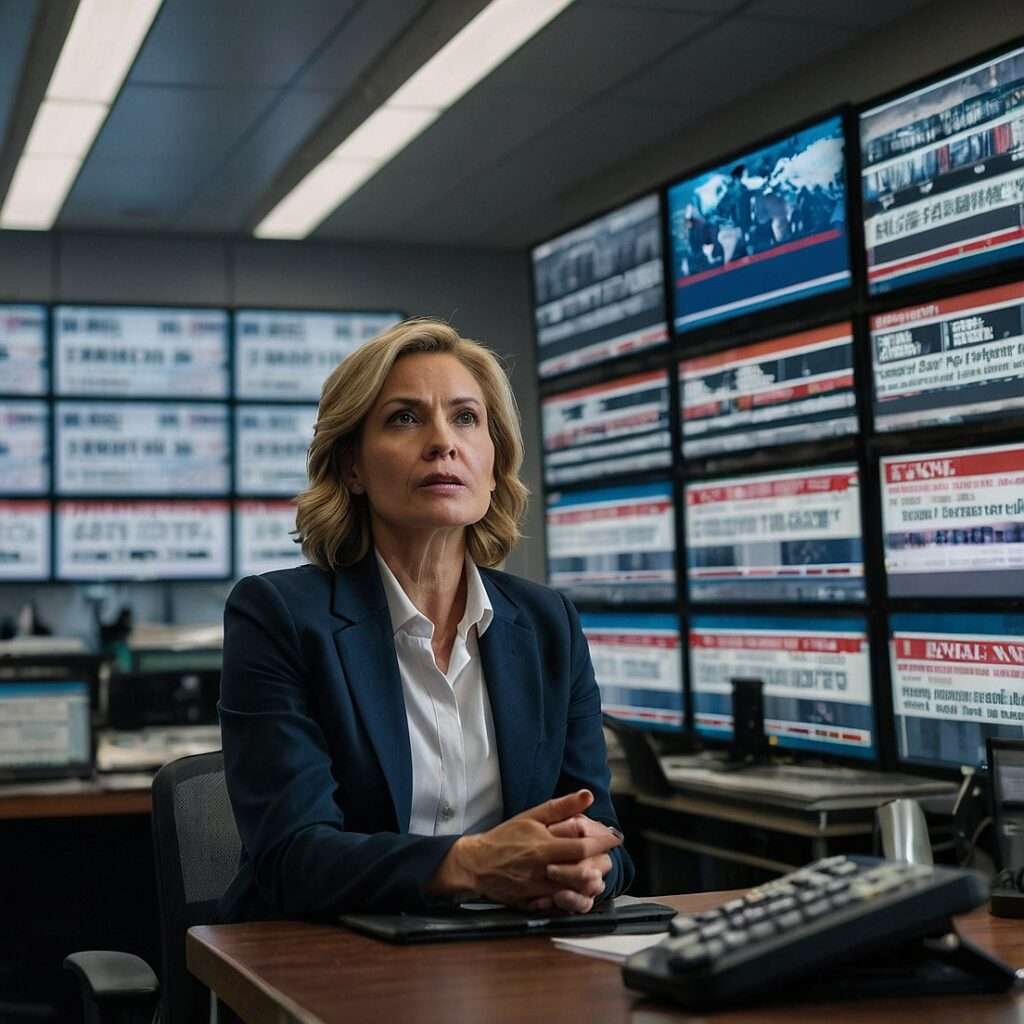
<point x="332" y="524"/>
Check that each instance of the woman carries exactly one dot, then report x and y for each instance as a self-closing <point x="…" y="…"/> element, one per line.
<point x="402" y="724"/>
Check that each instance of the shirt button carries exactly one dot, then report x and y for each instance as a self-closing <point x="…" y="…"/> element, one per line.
<point x="447" y="812"/>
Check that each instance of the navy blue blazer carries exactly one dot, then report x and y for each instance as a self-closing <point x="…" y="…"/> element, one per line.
<point x="316" y="742"/>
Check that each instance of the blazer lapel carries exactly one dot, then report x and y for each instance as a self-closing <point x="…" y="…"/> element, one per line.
<point x="367" y="650"/>
<point x="511" y="663"/>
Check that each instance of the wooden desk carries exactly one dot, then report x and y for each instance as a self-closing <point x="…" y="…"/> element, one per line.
<point x="315" y="974"/>
<point x="71" y="798"/>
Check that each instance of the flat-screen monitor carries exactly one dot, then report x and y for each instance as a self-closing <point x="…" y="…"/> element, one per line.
<point x="795" y="388"/>
<point x="143" y="540"/>
<point x="24" y="540"/>
<point x="638" y="666"/>
<point x="957" y="678"/>
<point x="128" y="448"/>
<point x="598" y="290"/>
<point x="941" y="176"/>
<point x="45" y="728"/>
<point x="766" y="228"/>
<point x="271" y="442"/>
<point x="616" y="544"/>
<point x="24" y="353"/>
<point x="24" y="447"/>
<point x="783" y="536"/>
<point x="263" y="537"/>
<point x="287" y="354"/>
<point x="950" y="361"/>
<point x="134" y="352"/>
<point x="954" y="522"/>
<point x="618" y="427"/>
<point x="816" y="673"/>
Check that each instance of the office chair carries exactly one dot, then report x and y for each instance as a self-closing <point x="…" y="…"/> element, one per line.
<point x="196" y="849"/>
<point x="644" y="767"/>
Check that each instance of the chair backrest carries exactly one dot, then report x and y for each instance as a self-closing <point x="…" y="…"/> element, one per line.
<point x="644" y="767"/>
<point x="196" y="848"/>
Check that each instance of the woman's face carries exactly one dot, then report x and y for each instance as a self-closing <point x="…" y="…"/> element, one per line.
<point x="425" y="458"/>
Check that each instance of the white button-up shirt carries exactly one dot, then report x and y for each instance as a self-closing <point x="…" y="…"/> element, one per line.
<point x="456" y="779"/>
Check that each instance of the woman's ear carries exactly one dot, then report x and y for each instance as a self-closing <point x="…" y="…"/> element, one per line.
<point x="348" y="473"/>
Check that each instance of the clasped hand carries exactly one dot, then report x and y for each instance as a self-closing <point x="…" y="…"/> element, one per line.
<point x="548" y="856"/>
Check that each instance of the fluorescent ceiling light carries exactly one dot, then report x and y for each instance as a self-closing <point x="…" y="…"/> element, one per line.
<point x="100" y="47"/>
<point x="468" y="57"/>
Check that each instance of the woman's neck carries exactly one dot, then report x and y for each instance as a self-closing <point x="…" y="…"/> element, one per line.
<point x="430" y="568"/>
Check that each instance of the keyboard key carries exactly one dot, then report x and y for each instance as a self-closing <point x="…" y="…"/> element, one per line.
<point x="713" y="930"/>
<point x="813" y="910"/>
<point x="735" y="938"/>
<point x="762" y="930"/>
<point x="680" y="925"/>
<point x="781" y="906"/>
<point x="789" y="920"/>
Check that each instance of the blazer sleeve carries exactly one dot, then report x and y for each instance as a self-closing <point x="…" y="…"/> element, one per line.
<point x="280" y="780"/>
<point x="585" y="761"/>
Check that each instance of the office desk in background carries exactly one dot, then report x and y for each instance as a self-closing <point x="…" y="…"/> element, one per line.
<point x="288" y="971"/>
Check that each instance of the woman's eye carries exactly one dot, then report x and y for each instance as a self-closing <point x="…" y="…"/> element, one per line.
<point x="403" y="417"/>
<point x="467" y="416"/>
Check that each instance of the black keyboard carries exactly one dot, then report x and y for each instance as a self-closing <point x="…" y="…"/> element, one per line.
<point x="805" y="924"/>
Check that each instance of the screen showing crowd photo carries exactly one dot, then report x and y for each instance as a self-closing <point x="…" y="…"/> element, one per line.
<point x="24" y="352"/>
<point x="816" y="674"/>
<point x="767" y="228"/>
<point x="795" y="388"/>
<point x="599" y="289"/>
<point x="137" y="352"/>
<point x="941" y="175"/>
<point x="954" y="523"/>
<point x="613" y="428"/>
<point x="616" y="544"/>
<point x="950" y="361"/>
<point x="957" y="678"/>
<point x="638" y="667"/>
<point x="791" y="536"/>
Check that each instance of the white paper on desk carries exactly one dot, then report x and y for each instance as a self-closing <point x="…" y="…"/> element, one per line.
<point x="617" y="948"/>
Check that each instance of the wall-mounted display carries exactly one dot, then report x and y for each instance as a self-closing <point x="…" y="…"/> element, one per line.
<point x="271" y="442"/>
<point x="616" y="544"/>
<point x="795" y="388"/>
<point x="790" y="536"/>
<point x="143" y="540"/>
<point x="130" y="448"/>
<point x="24" y="447"/>
<point x="766" y="228"/>
<point x="618" y="427"/>
<point x="136" y="352"/>
<point x="598" y="290"/>
<point x="638" y="667"/>
<point x="954" y="522"/>
<point x="941" y="178"/>
<point x="263" y="537"/>
<point x="24" y="354"/>
<point x="281" y="354"/>
<point x="816" y="674"/>
<point x="24" y="540"/>
<point x="949" y="361"/>
<point x="957" y="678"/>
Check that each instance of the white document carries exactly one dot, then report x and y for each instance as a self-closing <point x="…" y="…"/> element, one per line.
<point x="617" y="948"/>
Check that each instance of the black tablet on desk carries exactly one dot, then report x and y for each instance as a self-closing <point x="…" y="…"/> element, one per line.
<point x="626" y="918"/>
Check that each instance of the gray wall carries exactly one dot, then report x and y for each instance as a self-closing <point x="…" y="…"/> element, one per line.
<point x="483" y="293"/>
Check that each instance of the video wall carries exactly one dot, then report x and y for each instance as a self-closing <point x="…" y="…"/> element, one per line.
<point x="804" y="462"/>
<point x="159" y="443"/>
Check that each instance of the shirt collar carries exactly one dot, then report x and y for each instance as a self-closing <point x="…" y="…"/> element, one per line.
<point x="405" y="616"/>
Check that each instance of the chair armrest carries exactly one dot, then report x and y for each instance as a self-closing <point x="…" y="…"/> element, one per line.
<point x="115" y="986"/>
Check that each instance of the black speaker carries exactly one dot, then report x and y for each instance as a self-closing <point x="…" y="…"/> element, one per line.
<point x="749" y="742"/>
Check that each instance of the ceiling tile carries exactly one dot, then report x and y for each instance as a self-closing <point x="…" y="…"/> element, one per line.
<point x="235" y="42"/>
<point x="766" y="50"/>
<point x="368" y="31"/>
<point x="17" y="18"/>
<point x="154" y="150"/>
<point x="224" y="200"/>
